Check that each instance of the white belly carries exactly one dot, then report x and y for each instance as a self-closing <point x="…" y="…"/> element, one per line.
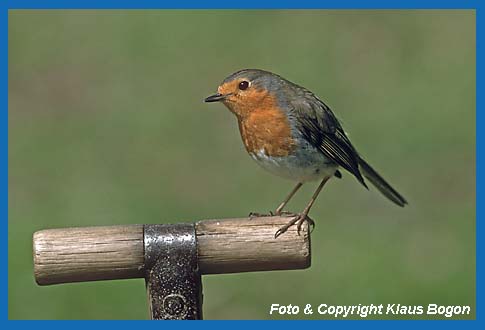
<point x="306" y="164"/>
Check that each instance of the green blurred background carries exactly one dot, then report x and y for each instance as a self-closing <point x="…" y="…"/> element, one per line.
<point x="107" y="126"/>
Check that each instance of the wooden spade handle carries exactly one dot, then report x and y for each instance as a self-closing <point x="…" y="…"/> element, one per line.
<point x="117" y="252"/>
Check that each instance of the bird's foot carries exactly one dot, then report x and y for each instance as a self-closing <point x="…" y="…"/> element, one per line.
<point x="253" y="215"/>
<point x="297" y="219"/>
<point x="285" y="214"/>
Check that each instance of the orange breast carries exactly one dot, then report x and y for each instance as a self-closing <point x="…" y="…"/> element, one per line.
<point x="267" y="129"/>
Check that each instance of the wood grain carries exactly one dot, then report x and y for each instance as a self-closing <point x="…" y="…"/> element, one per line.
<point x="243" y="245"/>
<point x="116" y="252"/>
<point x="88" y="254"/>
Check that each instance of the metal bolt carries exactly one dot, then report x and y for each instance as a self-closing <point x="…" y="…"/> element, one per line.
<point x="175" y="305"/>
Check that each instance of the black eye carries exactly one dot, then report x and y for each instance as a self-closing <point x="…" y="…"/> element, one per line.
<point x="243" y="85"/>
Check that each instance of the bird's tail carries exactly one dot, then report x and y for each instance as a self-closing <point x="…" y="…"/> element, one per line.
<point x="381" y="184"/>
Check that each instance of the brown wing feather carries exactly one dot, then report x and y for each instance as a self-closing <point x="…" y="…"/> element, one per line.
<point x="320" y="127"/>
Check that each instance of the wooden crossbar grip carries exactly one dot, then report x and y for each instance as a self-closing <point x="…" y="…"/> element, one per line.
<point x="117" y="252"/>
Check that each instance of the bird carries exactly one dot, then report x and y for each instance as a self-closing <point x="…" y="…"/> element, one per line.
<point x="293" y="134"/>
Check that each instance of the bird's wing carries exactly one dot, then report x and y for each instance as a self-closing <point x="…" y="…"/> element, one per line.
<point x="320" y="128"/>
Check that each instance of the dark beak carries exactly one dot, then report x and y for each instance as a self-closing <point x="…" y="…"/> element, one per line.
<point x="216" y="97"/>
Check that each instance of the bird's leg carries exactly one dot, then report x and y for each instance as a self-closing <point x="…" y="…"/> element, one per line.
<point x="299" y="218"/>
<point x="279" y="209"/>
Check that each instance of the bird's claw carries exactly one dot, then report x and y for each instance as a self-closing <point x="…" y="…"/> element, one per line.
<point x="298" y="219"/>
<point x="253" y="215"/>
<point x="285" y="214"/>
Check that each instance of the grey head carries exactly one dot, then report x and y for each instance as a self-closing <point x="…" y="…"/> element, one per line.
<point x="259" y="79"/>
<point x="255" y="80"/>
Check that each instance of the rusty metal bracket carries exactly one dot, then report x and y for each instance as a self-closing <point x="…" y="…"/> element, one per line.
<point x="171" y="272"/>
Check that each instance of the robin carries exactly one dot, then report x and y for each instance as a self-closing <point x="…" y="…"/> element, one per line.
<point x="290" y="132"/>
